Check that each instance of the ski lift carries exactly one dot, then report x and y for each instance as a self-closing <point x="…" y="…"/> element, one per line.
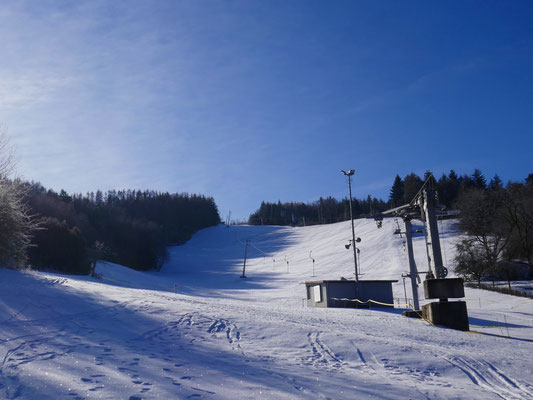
<point x="379" y="220"/>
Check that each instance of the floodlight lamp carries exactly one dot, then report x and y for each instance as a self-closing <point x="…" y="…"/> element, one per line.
<point x="358" y="240"/>
<point x="348" y="245"/>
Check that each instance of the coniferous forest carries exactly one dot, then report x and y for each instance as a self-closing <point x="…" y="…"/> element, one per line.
<point x="323" y="211"/>
<point x="64" y="232"/>
<point x="330" y="210"/>
<point x="128" y="227"/>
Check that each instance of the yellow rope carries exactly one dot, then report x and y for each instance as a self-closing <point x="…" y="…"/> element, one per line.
<point x="477" y="332"/>
<point x="502" y="336"/>
<point x="364" y="302"/>
<point x="500" y="326"/>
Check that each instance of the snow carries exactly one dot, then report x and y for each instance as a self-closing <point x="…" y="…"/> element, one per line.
<point x="197" y="330"/>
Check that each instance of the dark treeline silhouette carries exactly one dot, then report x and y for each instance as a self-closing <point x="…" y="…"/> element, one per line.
<point x="449" y="187"/>
<point x="323" y="211"/>
<point x="329" y="210"/>
<point x="499" y="222"/>
<point x="129" y="227"/>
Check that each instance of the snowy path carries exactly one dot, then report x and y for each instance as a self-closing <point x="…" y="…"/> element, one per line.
<point x="221" y="337"/>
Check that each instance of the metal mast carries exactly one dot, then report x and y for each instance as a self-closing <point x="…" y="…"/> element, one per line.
<point x="349" y="175"/>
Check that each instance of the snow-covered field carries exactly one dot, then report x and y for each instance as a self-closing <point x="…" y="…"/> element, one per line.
<point x="197" y="330"/>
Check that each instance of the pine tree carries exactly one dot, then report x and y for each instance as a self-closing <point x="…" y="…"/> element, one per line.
<point x="412" y="184"/>
<point x="479" y="180"/>
<point x="396" y="192"/>
<point x="495" y="183"/>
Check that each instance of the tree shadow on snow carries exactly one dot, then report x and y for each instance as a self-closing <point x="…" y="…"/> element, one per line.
<point x="107" y="347"/>
<point x="481" y="322"/>
<point x="214" y="258"/>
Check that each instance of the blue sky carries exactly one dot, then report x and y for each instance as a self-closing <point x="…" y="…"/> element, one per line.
<point x="265" y="100"/>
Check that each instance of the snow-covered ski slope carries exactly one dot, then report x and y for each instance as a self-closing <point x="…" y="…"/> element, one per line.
<point x="196" y="330"/>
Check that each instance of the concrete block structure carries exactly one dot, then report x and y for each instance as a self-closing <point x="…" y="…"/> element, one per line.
<point x="451" y="314"/>
<point x="341" y="293"/>
<point x="444" y="288"/>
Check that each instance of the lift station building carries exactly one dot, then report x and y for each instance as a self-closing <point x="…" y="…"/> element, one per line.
<point x="343" y="293"/>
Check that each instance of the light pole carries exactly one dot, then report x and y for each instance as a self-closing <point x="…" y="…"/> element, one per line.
<point x="244" y="265"/>
<point x="349" y="175"/>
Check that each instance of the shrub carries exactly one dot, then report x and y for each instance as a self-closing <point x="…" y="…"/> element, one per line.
<point x="59" y="247"/>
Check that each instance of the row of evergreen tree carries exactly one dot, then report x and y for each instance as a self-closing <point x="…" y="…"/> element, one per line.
<point x="129" y="227"/>
<point x="449" y="187"/>
<point x="323" y="211"/>
<point x="330" y="210"/>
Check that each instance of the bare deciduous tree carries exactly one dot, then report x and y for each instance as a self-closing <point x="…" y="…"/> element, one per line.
<point x="16" y="223"/>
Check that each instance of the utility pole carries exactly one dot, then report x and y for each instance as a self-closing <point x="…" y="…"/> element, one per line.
<point x="429" y="216"/>
<point x="349" y="175"/>
<point x="245" y="253"/>
<point x="413" y="272"/>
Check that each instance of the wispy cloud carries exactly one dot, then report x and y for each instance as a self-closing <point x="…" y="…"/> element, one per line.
<point x="423" y="83"/>
<point x="242" y="100"/>
<point x="28" y="89"/>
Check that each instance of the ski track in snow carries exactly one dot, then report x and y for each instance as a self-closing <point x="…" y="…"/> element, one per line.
<point x="486" y="375"/>
<point x="225" y="338"/>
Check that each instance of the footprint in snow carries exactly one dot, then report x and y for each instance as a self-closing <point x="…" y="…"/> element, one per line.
<point x="124" y="369"/>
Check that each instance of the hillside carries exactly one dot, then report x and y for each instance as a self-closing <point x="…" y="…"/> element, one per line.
<point x="197" y="330"/>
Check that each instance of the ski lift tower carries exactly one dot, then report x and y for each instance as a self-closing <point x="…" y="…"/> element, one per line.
<point x="452" y="314"/>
